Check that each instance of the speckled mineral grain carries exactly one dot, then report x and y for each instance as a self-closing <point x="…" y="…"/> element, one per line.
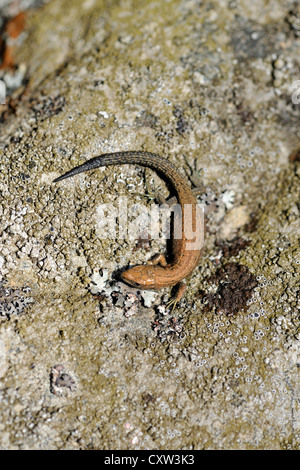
<point x="86" y="362"/>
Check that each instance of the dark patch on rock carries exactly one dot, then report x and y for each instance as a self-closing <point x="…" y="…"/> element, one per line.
<point x="235" y="284"/>
<point x="233" y="247"/>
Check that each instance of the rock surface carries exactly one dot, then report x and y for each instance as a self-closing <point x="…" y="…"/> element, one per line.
<point x="212" y="86"/>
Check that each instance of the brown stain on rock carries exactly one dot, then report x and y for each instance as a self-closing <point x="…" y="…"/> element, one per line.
<point x="235" y="284"/>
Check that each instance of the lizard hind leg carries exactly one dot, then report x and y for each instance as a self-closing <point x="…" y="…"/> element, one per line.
<point x="181" y="288"/>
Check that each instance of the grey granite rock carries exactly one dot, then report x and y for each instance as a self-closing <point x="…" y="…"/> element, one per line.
<point x="212" y="86"/>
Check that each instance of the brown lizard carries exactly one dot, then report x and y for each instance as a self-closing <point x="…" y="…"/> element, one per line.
<point x="187" y="244"/>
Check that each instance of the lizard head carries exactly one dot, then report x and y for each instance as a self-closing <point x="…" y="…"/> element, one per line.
<point x="141" y="277"/>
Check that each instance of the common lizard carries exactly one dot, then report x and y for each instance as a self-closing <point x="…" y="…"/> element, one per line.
<point x="186" y="247"/>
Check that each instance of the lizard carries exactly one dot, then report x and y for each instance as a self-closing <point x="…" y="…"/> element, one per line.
<point x="186" y="246"/>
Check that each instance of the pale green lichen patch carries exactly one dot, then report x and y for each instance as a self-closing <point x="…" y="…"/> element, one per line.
<point x="199" y="83"/>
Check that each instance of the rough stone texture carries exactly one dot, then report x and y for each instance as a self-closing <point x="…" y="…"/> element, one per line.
<point x="210" y="85"/>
